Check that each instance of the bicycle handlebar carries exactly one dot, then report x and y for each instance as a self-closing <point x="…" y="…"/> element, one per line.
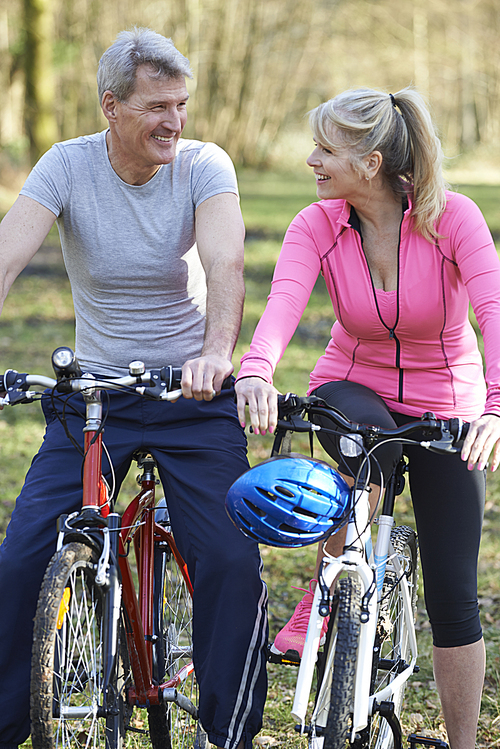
<point x="442" y="435"/>
<point x="159" y="384"/>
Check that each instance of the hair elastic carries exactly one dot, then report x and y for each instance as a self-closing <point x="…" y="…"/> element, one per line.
<point x="393" y="100"/>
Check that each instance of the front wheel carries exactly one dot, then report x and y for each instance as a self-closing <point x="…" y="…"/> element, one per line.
<point x="339" y="723"/>
<point x="67" y="662"/>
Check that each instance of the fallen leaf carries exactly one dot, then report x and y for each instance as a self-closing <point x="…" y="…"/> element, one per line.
<point x="417" y="720"/>
<point x="442" y="730"/>
<point x="266" y="741"/>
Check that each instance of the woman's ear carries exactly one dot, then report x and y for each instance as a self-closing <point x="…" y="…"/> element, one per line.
<point x="372" y="163"/>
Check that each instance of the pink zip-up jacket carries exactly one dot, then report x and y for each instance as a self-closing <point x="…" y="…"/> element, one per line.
<point x="414" y="346"/>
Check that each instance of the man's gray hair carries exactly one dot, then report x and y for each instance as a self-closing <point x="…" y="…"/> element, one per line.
<point x="118" y="65"/>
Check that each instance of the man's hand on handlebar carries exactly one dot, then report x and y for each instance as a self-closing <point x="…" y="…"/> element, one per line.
<point x="262" y="400"/>
<point x="202" y="377"/>
<point x="483" y="437"/>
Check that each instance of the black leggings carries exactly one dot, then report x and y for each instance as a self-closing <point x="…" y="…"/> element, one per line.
<point x="448" y="502"/>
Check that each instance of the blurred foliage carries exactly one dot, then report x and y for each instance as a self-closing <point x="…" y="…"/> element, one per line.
<point x="258" y="67"/>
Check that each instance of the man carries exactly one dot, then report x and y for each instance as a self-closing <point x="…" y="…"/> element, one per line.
<point x="152" y="238"/>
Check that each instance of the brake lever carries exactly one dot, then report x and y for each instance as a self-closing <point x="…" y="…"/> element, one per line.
<point x="443" y="445"/>
<point x="15" y="388"/>
<point x="295" y="423"/>
<point x="440" y="446"/>
<point x="16" y="396"/>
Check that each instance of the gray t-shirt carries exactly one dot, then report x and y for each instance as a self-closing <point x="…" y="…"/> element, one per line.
<point x="139" y="288"/>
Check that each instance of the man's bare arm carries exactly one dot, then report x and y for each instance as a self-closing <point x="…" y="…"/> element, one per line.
<point x="220" y="233"/>
<point x="22" y="232"/>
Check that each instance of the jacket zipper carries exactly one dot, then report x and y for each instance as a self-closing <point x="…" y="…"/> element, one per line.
<point x="392" y="334"/>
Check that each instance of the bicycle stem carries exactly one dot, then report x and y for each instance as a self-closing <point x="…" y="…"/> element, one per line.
<point x="92" y="451"/>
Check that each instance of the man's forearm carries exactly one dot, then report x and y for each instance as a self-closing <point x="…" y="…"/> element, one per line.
<point x="225" y="297"/>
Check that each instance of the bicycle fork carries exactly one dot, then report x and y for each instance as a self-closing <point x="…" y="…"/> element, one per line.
<point x="371" y="573"/>
<point x="111" y="616"/>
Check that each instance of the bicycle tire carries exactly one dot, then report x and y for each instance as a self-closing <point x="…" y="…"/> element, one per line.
<point x="324" y="670"/>
<point x="170" y="726"/>
<point x="67" y="668"/>
<point x="338" y="727"/>
<point x="392" y="644"/>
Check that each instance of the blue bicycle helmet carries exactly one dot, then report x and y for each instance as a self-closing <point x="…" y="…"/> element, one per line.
<point x="288" y="501"/>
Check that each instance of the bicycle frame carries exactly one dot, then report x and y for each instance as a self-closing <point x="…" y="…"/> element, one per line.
<point x="358" y="559"/>
<point x="369" y="566"/>
<point x="139" y="607"/>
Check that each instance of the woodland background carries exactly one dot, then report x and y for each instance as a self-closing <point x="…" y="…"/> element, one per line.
<point x="259" y="66"/>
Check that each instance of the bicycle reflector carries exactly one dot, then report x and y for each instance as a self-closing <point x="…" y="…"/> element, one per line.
<point x="288" y="501"/>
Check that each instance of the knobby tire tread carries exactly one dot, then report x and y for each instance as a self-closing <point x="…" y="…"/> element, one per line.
<point x="338" y="728"/>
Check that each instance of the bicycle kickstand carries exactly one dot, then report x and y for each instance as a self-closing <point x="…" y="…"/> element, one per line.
<point x="414" y="741"/>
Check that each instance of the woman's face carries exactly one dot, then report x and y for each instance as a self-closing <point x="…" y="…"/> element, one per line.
<point x="335" y="175"/>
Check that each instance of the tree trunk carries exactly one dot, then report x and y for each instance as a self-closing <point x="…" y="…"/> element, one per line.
<point x="40" y="118"/>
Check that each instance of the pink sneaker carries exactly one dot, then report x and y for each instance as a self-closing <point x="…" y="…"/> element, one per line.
<point x="293" y="634"/>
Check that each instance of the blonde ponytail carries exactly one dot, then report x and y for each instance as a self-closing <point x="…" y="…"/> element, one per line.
<point x="401" y="128"/>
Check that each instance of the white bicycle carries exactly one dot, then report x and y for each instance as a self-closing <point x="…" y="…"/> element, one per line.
<point x="370" y="650"/>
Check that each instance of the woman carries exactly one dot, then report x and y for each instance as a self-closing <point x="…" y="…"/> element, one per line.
<point x="401" y="258"/>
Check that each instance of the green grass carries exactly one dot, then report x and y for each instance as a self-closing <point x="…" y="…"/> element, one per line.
<point x="38" y="317"/>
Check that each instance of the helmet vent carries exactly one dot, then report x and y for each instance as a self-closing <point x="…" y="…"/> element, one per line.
<point x="265" y="493"/>
<point x="311" y="490"/>
<point x="290" y="529"/>
<point x="246" y="525"/>
<point x="257" y="510"/>
<point x="285" y="492"/>
<point x="305" y="513"/>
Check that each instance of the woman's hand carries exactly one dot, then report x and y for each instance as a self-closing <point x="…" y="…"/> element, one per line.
<point x="262" y="399"/>
<point x="482" y="438"/>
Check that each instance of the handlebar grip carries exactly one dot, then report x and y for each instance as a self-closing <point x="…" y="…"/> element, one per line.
<point x="228" y="383"/>
<point x="465" y="430"/>
<point x="173" y="376"/>
<point x="459" y="430"/>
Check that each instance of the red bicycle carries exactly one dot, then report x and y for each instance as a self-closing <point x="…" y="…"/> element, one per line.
<point x="111" y="636"/>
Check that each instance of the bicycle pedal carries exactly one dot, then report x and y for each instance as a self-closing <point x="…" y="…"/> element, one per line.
<point x="414" y="741"/>
<point x="290" y="658"/>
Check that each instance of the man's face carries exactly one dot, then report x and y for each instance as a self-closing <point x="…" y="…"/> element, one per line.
<point x="145" y="128"/>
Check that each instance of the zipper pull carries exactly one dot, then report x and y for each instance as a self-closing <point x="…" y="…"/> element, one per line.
<point x="391" y="333"/>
